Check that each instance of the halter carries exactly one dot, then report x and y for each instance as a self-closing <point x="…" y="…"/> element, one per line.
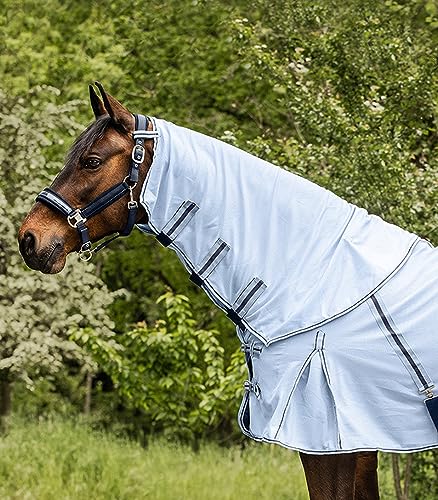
<point x="77" y="217"/>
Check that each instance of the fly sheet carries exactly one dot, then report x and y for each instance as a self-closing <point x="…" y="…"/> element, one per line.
<point x="281" y="256"/>
<point x="357" y="383"/>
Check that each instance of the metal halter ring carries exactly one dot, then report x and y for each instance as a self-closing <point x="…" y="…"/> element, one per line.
<point x="127" y="181"/>
<point x="85" y="255"/>
<point x="86" y="252"/>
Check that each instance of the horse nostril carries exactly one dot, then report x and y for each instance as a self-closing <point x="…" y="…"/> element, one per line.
<point x="27" y="243"/>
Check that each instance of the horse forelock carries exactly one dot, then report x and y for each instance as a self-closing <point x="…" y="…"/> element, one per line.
<point x="85" y="141"/>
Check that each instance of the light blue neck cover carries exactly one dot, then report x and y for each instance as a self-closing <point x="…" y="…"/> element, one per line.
<point x="280" y="254"/>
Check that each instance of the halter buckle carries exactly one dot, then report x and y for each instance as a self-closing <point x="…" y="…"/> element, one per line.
<point x="75" y="218"/>
<point x="138" y="153"/>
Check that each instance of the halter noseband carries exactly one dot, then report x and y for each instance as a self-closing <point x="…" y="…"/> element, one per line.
<point x="77" y="217"/>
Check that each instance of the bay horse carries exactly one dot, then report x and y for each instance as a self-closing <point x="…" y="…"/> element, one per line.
<point x="97" y="195"/>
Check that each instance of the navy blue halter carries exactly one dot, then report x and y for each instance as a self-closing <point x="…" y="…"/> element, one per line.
<point x="77" y="217"/>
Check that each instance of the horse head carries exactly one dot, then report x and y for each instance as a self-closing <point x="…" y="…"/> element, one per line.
<point x="95" y="194"/>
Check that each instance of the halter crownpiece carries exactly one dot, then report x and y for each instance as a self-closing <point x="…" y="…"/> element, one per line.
<point x="77" y="217"/>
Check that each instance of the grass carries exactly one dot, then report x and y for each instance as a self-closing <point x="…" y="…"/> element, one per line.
<point x="64" y="460"/>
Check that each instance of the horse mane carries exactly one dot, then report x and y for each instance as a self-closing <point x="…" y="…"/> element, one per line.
<point x="88" y="137"/>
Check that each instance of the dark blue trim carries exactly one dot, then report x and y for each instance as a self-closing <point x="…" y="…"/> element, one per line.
<point x="105" y="199"/>
<point x="54" y="201"/>
<point x="235" y="318"/>
<point x="164" y="239"/>
<point x="399" y="343"/>
<point x="196" y="279"/>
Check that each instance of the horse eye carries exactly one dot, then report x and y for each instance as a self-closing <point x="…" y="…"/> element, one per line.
<point x="92" y="162"/>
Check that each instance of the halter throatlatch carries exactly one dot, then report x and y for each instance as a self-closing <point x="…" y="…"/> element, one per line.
<point x="77" y="217"/>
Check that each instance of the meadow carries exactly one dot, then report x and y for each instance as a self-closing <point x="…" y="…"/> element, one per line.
<point x="63" y="460"/>
<point x="55" y="459"/>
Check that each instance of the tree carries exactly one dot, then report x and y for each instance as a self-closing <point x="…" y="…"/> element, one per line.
<point x="36" y="311"/>
<point x="349" y="101"/>
<point x="172" y="371"/>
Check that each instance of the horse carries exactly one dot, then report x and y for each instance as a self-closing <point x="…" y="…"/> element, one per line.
<point x="100" y="194"/>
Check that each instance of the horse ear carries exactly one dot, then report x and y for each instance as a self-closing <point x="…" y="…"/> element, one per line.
<point x="120" y="115"/>
<point x="96" y="103"/>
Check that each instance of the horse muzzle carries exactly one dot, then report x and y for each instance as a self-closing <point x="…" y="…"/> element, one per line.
<point x="49" y="258"/>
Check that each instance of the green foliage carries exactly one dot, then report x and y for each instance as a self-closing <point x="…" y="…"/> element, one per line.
<point x="416" y="473"/>
<point x="57" y="43"/>
<point x="55" y="395"/>
<point x="350" y="101"/>
<point x="424" y="475"/>
<point x="145" y="270"/>
<point x="174" y="372"/>
<point x="36" y="311"/>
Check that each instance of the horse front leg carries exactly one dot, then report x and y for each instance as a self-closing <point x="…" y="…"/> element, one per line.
<point x="344" y="476"/>
<point x="366" y="485"/>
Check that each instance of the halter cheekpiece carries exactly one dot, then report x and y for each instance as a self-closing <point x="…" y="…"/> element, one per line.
<point x="77" y="217"/>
